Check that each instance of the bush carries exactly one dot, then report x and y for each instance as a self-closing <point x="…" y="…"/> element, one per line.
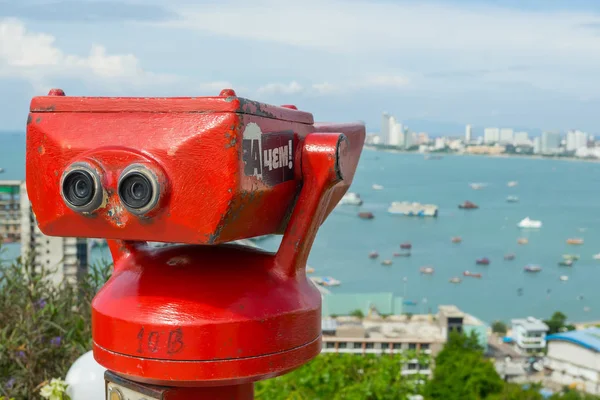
<point x="44" y="328"/>
<point x="499" y="327"/>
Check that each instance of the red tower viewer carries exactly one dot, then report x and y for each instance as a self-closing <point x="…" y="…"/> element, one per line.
<point x="201" y="319"/>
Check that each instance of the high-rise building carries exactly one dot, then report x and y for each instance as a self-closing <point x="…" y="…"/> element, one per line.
<point x="491" y="135"/>
<point x="468" y="134"/>
<point x="576" y="139"/>
<point x="537" y="145"/>
<point x="67" y="256"/>
<point x="385" y="128"/>
<point x="10" y="214"/>
<point x="521" y="138"/>
<point x="506" y="135"/>
<point x="550" y="142"/>
<point x="395" y="130"/>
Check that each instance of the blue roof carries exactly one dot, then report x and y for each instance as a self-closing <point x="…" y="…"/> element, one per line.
<point x="588" y="338"/>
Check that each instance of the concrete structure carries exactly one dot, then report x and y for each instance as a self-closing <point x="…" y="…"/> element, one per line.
<point x="491" y="135"/>
<point x="68" y="257"/>
<point x="521" y="138"/>
<point x="10" y="213"/>
<point x="506" y="135"/>
<point x="529" y="334"/>
<point x="396" y="137"/>
<point x="537" y="145"/>
<point x="576" y="139"/>
<point x="468" y="134"/>
<point x="493" y="150"/>
<point x="573" y="360"/>
<point x="550" y="143"/>
<point x="394" y="334"/>
<point x="384" y="134"/>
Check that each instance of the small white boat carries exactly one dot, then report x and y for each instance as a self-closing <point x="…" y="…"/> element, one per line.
<point x="326" y="281"/>
<point x="455" y="280"/>
<point x="377" y="187"/>
<point x="564" y="278"/>
<point x="351" y="199"/>
<point x="426" y="270"/>
<point x="512" y="183"/>
<point x="529" y="223"/>
<point x="512" y="199"/>
<point x="597" y="256"/>
<point x="477" y="186"/>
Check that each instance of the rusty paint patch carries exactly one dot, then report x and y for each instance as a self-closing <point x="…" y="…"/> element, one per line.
<point x="41" y="150"/>
<point x="254" y="108"/>
<point x="38" y="120"/>
<point x="29" y="119"/>
<point x="180" y="260"/>
<point x="50" y="108"/>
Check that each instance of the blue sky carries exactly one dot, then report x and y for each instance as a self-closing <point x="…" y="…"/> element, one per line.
<point x="436" y="64"/>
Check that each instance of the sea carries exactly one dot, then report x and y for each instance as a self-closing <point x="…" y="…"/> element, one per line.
<point x="564" y="195"/>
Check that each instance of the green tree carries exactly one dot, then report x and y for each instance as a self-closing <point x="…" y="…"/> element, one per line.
<point x="461" y="371"/>
<point x="517" y="392"/>
<point x="499" y="327"/>
<point x="357" y="313"/>
<point x="558" y="323"/>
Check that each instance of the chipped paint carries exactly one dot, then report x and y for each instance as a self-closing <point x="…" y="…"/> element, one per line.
<point x="180" y="260"/>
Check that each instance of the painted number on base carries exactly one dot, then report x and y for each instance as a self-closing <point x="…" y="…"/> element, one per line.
<point x="155" y="341"/>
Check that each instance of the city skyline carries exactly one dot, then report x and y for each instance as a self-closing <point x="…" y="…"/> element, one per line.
<point x="448" y="61"/>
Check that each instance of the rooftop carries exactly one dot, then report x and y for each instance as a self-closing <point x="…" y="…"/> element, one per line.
<point x="588" y="338"/>
<point x="530" y="324"/>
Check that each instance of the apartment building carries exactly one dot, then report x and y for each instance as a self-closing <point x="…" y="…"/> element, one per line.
<point x="10" y="214"/>
<point x="529" y="334"/>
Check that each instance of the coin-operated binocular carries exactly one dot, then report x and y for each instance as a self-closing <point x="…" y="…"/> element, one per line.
<point x="202" y="319"/>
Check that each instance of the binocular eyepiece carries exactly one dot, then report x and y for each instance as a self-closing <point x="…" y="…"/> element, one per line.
<point x="137" y="187"/>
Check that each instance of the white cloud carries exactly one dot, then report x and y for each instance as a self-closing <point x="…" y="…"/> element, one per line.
<point x="281" y="88"/>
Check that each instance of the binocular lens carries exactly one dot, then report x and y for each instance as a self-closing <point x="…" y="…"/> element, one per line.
<point x="136" y="190"/>
<point x="78" y="188"/>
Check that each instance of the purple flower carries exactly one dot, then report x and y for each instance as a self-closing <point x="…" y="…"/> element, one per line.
<point x="41" y="303"/>
<point x="20" y="354"/>
<point x="10" y="383"/>
<point x="55" y="341"/>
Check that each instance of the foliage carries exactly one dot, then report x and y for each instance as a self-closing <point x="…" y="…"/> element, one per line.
<point x="568" y="394"/>
<point x="357" y="313"/>
<point x="462" y="372"/>
<point x="55" y="390"/>
<point x="517" y="392"/>
<point x="347" y="377"/>
<point x="499" y="327"/>
<point x="558" y="323"/>
<point x="45" y="327"/>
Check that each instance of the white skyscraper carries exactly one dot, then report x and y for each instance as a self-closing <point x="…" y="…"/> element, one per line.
<point x="521" y="138"/>
<point x="537" y="145"/>
<point x="395" y="132"/>
<point x="491" y="135"/>
<point x="576" y="139"/>
<point x="468" y="134"/>
<point x="385" y="128"/>
<point x="550" y="142"/>
<point x="506" y="135"/>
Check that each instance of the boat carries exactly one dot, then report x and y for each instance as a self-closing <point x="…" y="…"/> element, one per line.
<point x="409" y="303"/>
<point x="477" y="186"/>
<point x="575" y="241"/>
<point x="512" y="183"/>
<point x="532" y="268"/>
<point x="406" y="245"/>
<point x="456" y="239"/>
<point x="456" y="279"/>
<point x="472" y="274"/>
<point x="328" y="281"/>
<point x="377" y="187"/>
<point x="413" y="209"/>
<point x="596" y="256"/>
<point x="512" y="199"/>
<point x="522" y="240"/>
<point x="373" y="254"/>
<point x="404" y="254"/>
<point x="509" y="256"/>
<point x="483" y="261"/>
<point x="366" y="215"/>
<point x="310" y="270"/>
<point x="351" y="199"/>
<point x="564" y="278"/>
<point x="386" y="262"/>
<point x="426" y="270"/>
<point x="573" y="257"/>
<point x="432" y="157"/>
<point x="467" y="205"/>
<point x="529" y="223"/>
<point x="566" y="263"/>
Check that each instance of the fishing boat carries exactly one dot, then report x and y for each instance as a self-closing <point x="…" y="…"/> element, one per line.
<point x="575" y="241"/>
<point x="351" y="199"/>
<point x="573" y="257"/>
<point x="456" y="279"/>
<point x="532" y="268"/>
<point x="472" y="274"/>
<point x="467" y="205"/>
<point x="377" y="187"/>
<point x="426" y="270"/>
<point x="329" y="281"/>
<point x="386" y="262"/>
<point x="406" y="246"/>
<point x="456" y="239"/>
<point x="477" y="186"/>
<point x="509" y="257"/>
<point x="403" y="254"/>
<point x="512" y="183"/>
<point x="512" y="199"/>
<point x="596" y="256"/>
<point x="528" y="223"/>
<point x="483" y="261"/>
<point x="566" y="263"/>
<point x="564" y="278"/>
<point x="522" y="240"/>
<point x="366" y="215"/>
<point x="373" y="254"/>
